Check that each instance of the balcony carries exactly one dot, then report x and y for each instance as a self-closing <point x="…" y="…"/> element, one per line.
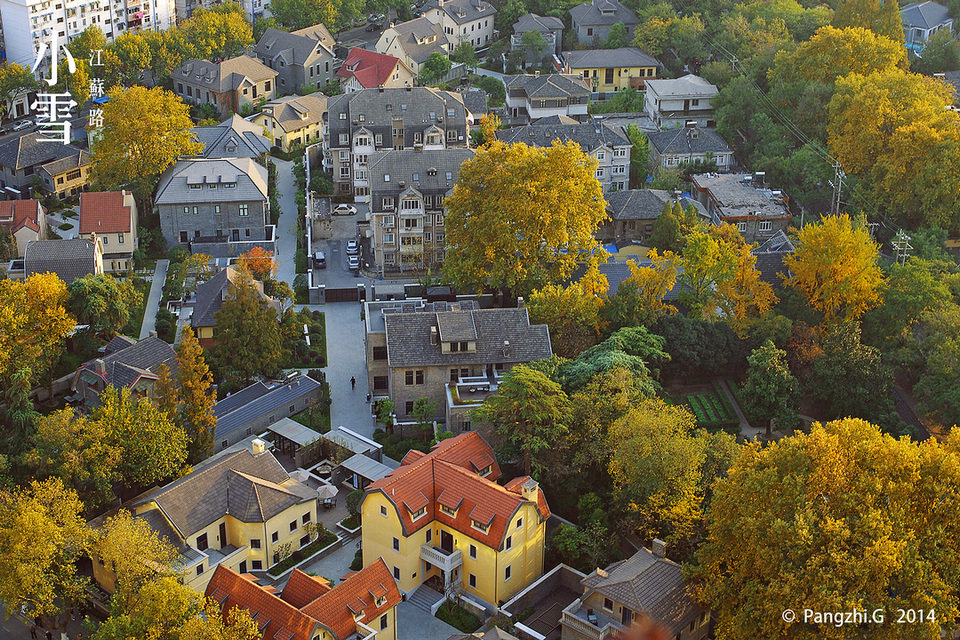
<point x="444" y="560"/>
<point x="577" y="618"/>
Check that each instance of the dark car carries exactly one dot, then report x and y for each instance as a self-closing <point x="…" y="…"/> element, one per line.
<point x="320" y="260"/>
<point x="374" y="26"/>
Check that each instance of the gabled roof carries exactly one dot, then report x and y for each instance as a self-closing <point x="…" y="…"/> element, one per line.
<point x="770" y="254"/>
<point x="475" y="101"/>
<point x="292" y="113"/>
<point x="307" y="602"/>
<point x="30" y="150"/>
<point x="925" y="15"/>
<point x="212" y="293"/>
<point x="297" y="47"/>
<point x="605" y="58"/>
<point x="72" y="158"/>
<point x="106" y="212"/>
<point x="602" y="13"/>
<point x="463" y="11"/>
<point x="644" y="204"/>
<point x="228" y="75"/>
<point x="371" y="69"/>
<point x="533" y="22"/>
<point x="250" y="487"/>
<point x="69" y="259"/>
<point x="238" y="414"/>
<point x="688" y="141"/>
<point x="248" y="177"/>
<point x="16" y="214"/>
<point x="553" y="85"/>
<point x="126" y="360"/>
<point x="412" y="37"/>
<point x="589" y="136"/>
<point x="688" y="85"/>
<point x="318" y="32"/>
<point x="449" y="475"/>
<point x="648" y="584"/>
<point x="234" y="137"/>
<point x="430" y="167"/>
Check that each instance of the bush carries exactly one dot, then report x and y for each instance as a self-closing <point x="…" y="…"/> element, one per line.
<point x="354" y="500"/>
<point x="320" y="183"/>
<point x="458" y="617"/>
<point x="66" y="226"/>
<point x="357" y="563"/>
<point x="178" y="255"/>
<point x="301" y="262"/>
<point x="166" y="325"/>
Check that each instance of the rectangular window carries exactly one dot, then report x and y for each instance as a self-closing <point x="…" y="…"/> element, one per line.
<point x="200" y="569"/>
<point x="202" y="542"/>
<point x="275" y="536"/>
<point x="254" y="543"/>
<point x="408" y="378"/>
<point x="379" y="353"/>
<point x="257" y="565"/>
<point x="479" y="526"/>
<point x="120" y="238"/>
<point x="383" y="622"/>
<point x="305" y="518"/>
<point x="106" y="240"/>
<point x="396" y="544"/>
<point x="378" y="139"/>
<point x="419" y="377"/>
<point x="473" y="551"/>
<point x="244" y="210"/>
<point x="519" y="522"/>
<point x="766" y="225"/>
<point x="473" y="581"/>
<point x="408" y="407"/>
<point x="742" y="227"/>
<point x="383" y="511"/>
<point x="509" y="543"/>
<point x="608" y="604"/>
<point x="380" y="383"/>
<point x="429" y="535"/>
<point x="293" y="526"/>
<point x="507" y="572"/>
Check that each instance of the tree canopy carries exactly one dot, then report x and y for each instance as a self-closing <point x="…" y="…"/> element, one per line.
<point x="103" y="302"/>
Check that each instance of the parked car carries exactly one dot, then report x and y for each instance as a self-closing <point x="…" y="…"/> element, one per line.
<point x="374" y="26"/>
<point x="344" y="210"/>
<point x="353" y="262"/>
<point x="353" y="247"/>
<point x="319" y="260"/>
<point x="23" y="124"/>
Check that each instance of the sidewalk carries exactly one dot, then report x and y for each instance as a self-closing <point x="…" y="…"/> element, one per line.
<point x="153" y="300"/>
<point x="287" y="223"/>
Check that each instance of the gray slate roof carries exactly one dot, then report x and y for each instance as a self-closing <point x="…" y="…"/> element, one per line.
<point x="553" y="85"/>
<point x="648" y="584"/>
<point x="616" y="272"/>
<point x="239" y="398"/>
<point x="603" y="13"/>
<point x="588" y="135"/>
<point x="235" y="137"/>
<point x="770" y="255"/>
<point x="408" y="339"/>
<point x="244" y="485"/>
<point x="684" y="141"/>
<point x="430" y="168"/>
<point x="925" y="15"/>
<point x="605" y="58"/>
<point x="556" y="119"/>
<point x="72" y="158"/>
<point x="463" y="11"/>
<point x="250" y="179"/>
<point x="212" y="293"/>
<point x="69" y="259"/>
<point x="29" y="150"/>
<point x="688" y="85"/>
<point x="125" y="360"/>
<point x="644" y="204"/>
<point x="475" y="101"/>
<point x="411" y="33"/>
<point x="533" y="22"/>
<point x="281" y="396"/>
<point x="297" y="47"/>
<point x="224" y="76"/>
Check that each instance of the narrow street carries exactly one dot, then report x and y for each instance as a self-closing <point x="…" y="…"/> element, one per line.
<point x="287" y="225"/>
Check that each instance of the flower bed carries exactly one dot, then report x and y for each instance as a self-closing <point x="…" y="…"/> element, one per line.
<point x="713" y="410"/>
<point x="458" y="617"/>
<point x="350" y="524"/>
<point x="322" y="542"/>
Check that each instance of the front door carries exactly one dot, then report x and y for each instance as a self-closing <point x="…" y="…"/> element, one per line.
<point x="223" y="535"/>
<point x="446" y="542"/>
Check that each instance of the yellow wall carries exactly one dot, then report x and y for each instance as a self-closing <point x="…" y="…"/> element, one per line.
<point x="283" y="139"/>
<point x="621" y="80"/>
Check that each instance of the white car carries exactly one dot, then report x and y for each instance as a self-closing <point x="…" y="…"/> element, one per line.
<point x="344" y="210"/>
<point x="353" y="263"/>
<point x="23" y="124"/>
<point x="353" y="247"/>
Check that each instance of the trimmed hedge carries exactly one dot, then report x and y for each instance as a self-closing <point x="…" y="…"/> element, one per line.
<point x="713" y="410"/>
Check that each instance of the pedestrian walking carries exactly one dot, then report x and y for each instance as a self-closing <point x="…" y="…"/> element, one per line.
<point x="368" y="398"/>
<point x="49" y="636"/>
<point x="33" y="632"/>
<point x="353" y="382"/>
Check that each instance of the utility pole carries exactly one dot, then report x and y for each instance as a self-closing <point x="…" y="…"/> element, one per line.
<point x="901" y="246"/>
<point x="837" y="184"/>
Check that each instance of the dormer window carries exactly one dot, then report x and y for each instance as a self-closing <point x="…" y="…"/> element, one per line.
<point x="486" y="470"/>
<point x="419" y="513"/>
<point x="447" y="510"/>
<point x="479" y="526"/>
<point x="382" y="600"/>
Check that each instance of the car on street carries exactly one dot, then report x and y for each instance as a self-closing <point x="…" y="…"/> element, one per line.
<point x="320" y="260"/>
<point x="374" y="26"/>
<point x="353" y="247"/>
<point x="353" y="262"/>
<point x="344" y="210"/>
<point x="23" y="124"/>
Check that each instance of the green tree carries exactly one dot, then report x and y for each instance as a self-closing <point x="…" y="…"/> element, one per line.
<point x="248" y="333"/>
<point x="938" y="387"/>
<point x="530" y="411"/>
<point x="771" y="392"/>
<point x="585" y="548"/>
<point x="42" y="536"/>
<point x="633" y="349"/>
<point x="298" y="14"/>
<point x="464" y="53"/>
<point x="103" y="302"/>
<point x="90" y="39"/>
<point x="534" y="44"/>
<point x="18" y="412"/>
<point x="617" y="37"/>
<point x="852" y="503"/>
<point x="434" y="68"/>
<point x="941" y="53"/>
<point x="497" y="235"/>
<point x="196" y="400"/>
<point x="707" y="262"/>
<point x="639" y="155"/>
<point x="15" y="81"/>
<point x="144" y="132"/>
<point x="667" y="230"/>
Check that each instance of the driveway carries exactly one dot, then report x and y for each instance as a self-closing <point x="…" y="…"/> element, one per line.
<point x="417" y="624"/>
<point x="153" y="300"/>
<point x="287" y="224"/>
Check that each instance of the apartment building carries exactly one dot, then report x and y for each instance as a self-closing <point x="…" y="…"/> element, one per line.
<point x="463" y="20"/>
<point x="743" y="200"/>
<point x="675" y="102"/>
<point x="363" y="122"/>
<point x="302" y="57"/>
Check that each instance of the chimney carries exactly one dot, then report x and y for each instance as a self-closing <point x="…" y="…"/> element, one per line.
<point x="659" y="548"/>
<point x="433" y="335"/>
<point x="519" y="302"/>
<point x="100" y="366"/>
<point x="536" y="74"/>
<point x="529" y="490"/>
<point x="259" y="446"/>
<point x="153" y="334"/>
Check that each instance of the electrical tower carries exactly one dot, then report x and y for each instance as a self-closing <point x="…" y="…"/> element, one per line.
<point x="901" y="246"/>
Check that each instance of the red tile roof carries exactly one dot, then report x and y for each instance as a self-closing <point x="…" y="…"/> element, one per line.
<point x="307" y="601"/>
<point x="16" y="214"/>
<point x="337" y="609"/>
<point x="448" y="476"/>
<point x="371" y="69"/>
<point x="103" y="212"/>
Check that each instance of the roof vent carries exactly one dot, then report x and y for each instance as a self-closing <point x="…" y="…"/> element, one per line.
<point x="506" y="348"/>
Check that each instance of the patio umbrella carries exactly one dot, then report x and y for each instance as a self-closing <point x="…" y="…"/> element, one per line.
<point x="327" y="491"/>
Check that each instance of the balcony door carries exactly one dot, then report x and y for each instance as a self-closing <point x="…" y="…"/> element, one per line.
<point x="446" y="542"/>
<point x="223" y="535"/>
<point x="626" y="617"/>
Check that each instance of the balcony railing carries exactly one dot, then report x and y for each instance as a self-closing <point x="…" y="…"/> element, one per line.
<point x="571" y="617"/>
<point x="443" y="560"/>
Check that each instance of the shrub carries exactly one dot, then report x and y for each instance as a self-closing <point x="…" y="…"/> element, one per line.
<point x="166" y="325"/>
<point x="178" y="255"/>
<point x="357" y="563"/>
<point x="66" y="226"/>
<point x="354" y="500"/>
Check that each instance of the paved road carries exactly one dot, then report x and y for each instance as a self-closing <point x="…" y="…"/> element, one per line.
<point x="153" y="300"/>
<point x="287" y="225"/>
<point x="480" y="71"/>
<point x="416" y="623"/>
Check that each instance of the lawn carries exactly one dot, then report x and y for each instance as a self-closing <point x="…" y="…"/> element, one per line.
<point x="351" y="522"/>
<point x="318" y="417"/>
<point x="132" y="328"/>
<point x="458" y="617"/>
<point x="326" y="538"/>
<point x="314" y="355"/>
<point x="66" y="226"/>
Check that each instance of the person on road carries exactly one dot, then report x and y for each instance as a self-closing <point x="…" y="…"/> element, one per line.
<point x="353" y="382"/>
<point x="33" y="632"/>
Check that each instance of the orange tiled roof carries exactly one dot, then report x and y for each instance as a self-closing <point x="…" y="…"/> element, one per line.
<point x="302" y="589"/>
<point x="448" y="476"/>
<point x="337" y="609"/>
<point x="20" y="213"/>
<point x="104" y="212"/>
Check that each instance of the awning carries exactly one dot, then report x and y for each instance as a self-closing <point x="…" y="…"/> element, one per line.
<point x="294" y="431"/>
<point x="366" y="467"/>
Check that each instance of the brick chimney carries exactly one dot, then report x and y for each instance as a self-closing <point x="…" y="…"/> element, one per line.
<point x="659" y="548"/>
<point x="529" y="490"/>
<point x="100" y="366"/>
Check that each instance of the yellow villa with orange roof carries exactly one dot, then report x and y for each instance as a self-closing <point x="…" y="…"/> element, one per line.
<point x="442" y="514"/>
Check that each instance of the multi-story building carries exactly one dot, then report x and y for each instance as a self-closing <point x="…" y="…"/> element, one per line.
<point x="745" y="201"/>
<point x="407" y="190"/>
<point x="592" y="21"/>
<point x="300" y="57"/>
<point x="216" y="206"/>
<point x="112" y="215"/>
<point x="633" y="212"/>
<point x="530" y="97"/>
<point x="674" y="103"/>
<point x="608" y="145"/>
<point x="611" y="70"/>
<point x="923" y="19"/>
<point x="293" y="120"/>
<point x="29" y="23"/>
<point x="235" y="137"/>
<point x="441" y="518"/>
<point x="125" y="364"/>
<point x="228" y="85"/>
<point x="63" y="169"/>
<point x="463" y="20"/>
<point x="416" y="350"/>
<point x="690" y="145"/>
<point x="68" y="259"/>
<point x="25" y="221"/>
<point x="414" y="41"/>
<point x="549" y="28"/>
<point x="364" y="69"/>
<point x="364" y="122"/>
